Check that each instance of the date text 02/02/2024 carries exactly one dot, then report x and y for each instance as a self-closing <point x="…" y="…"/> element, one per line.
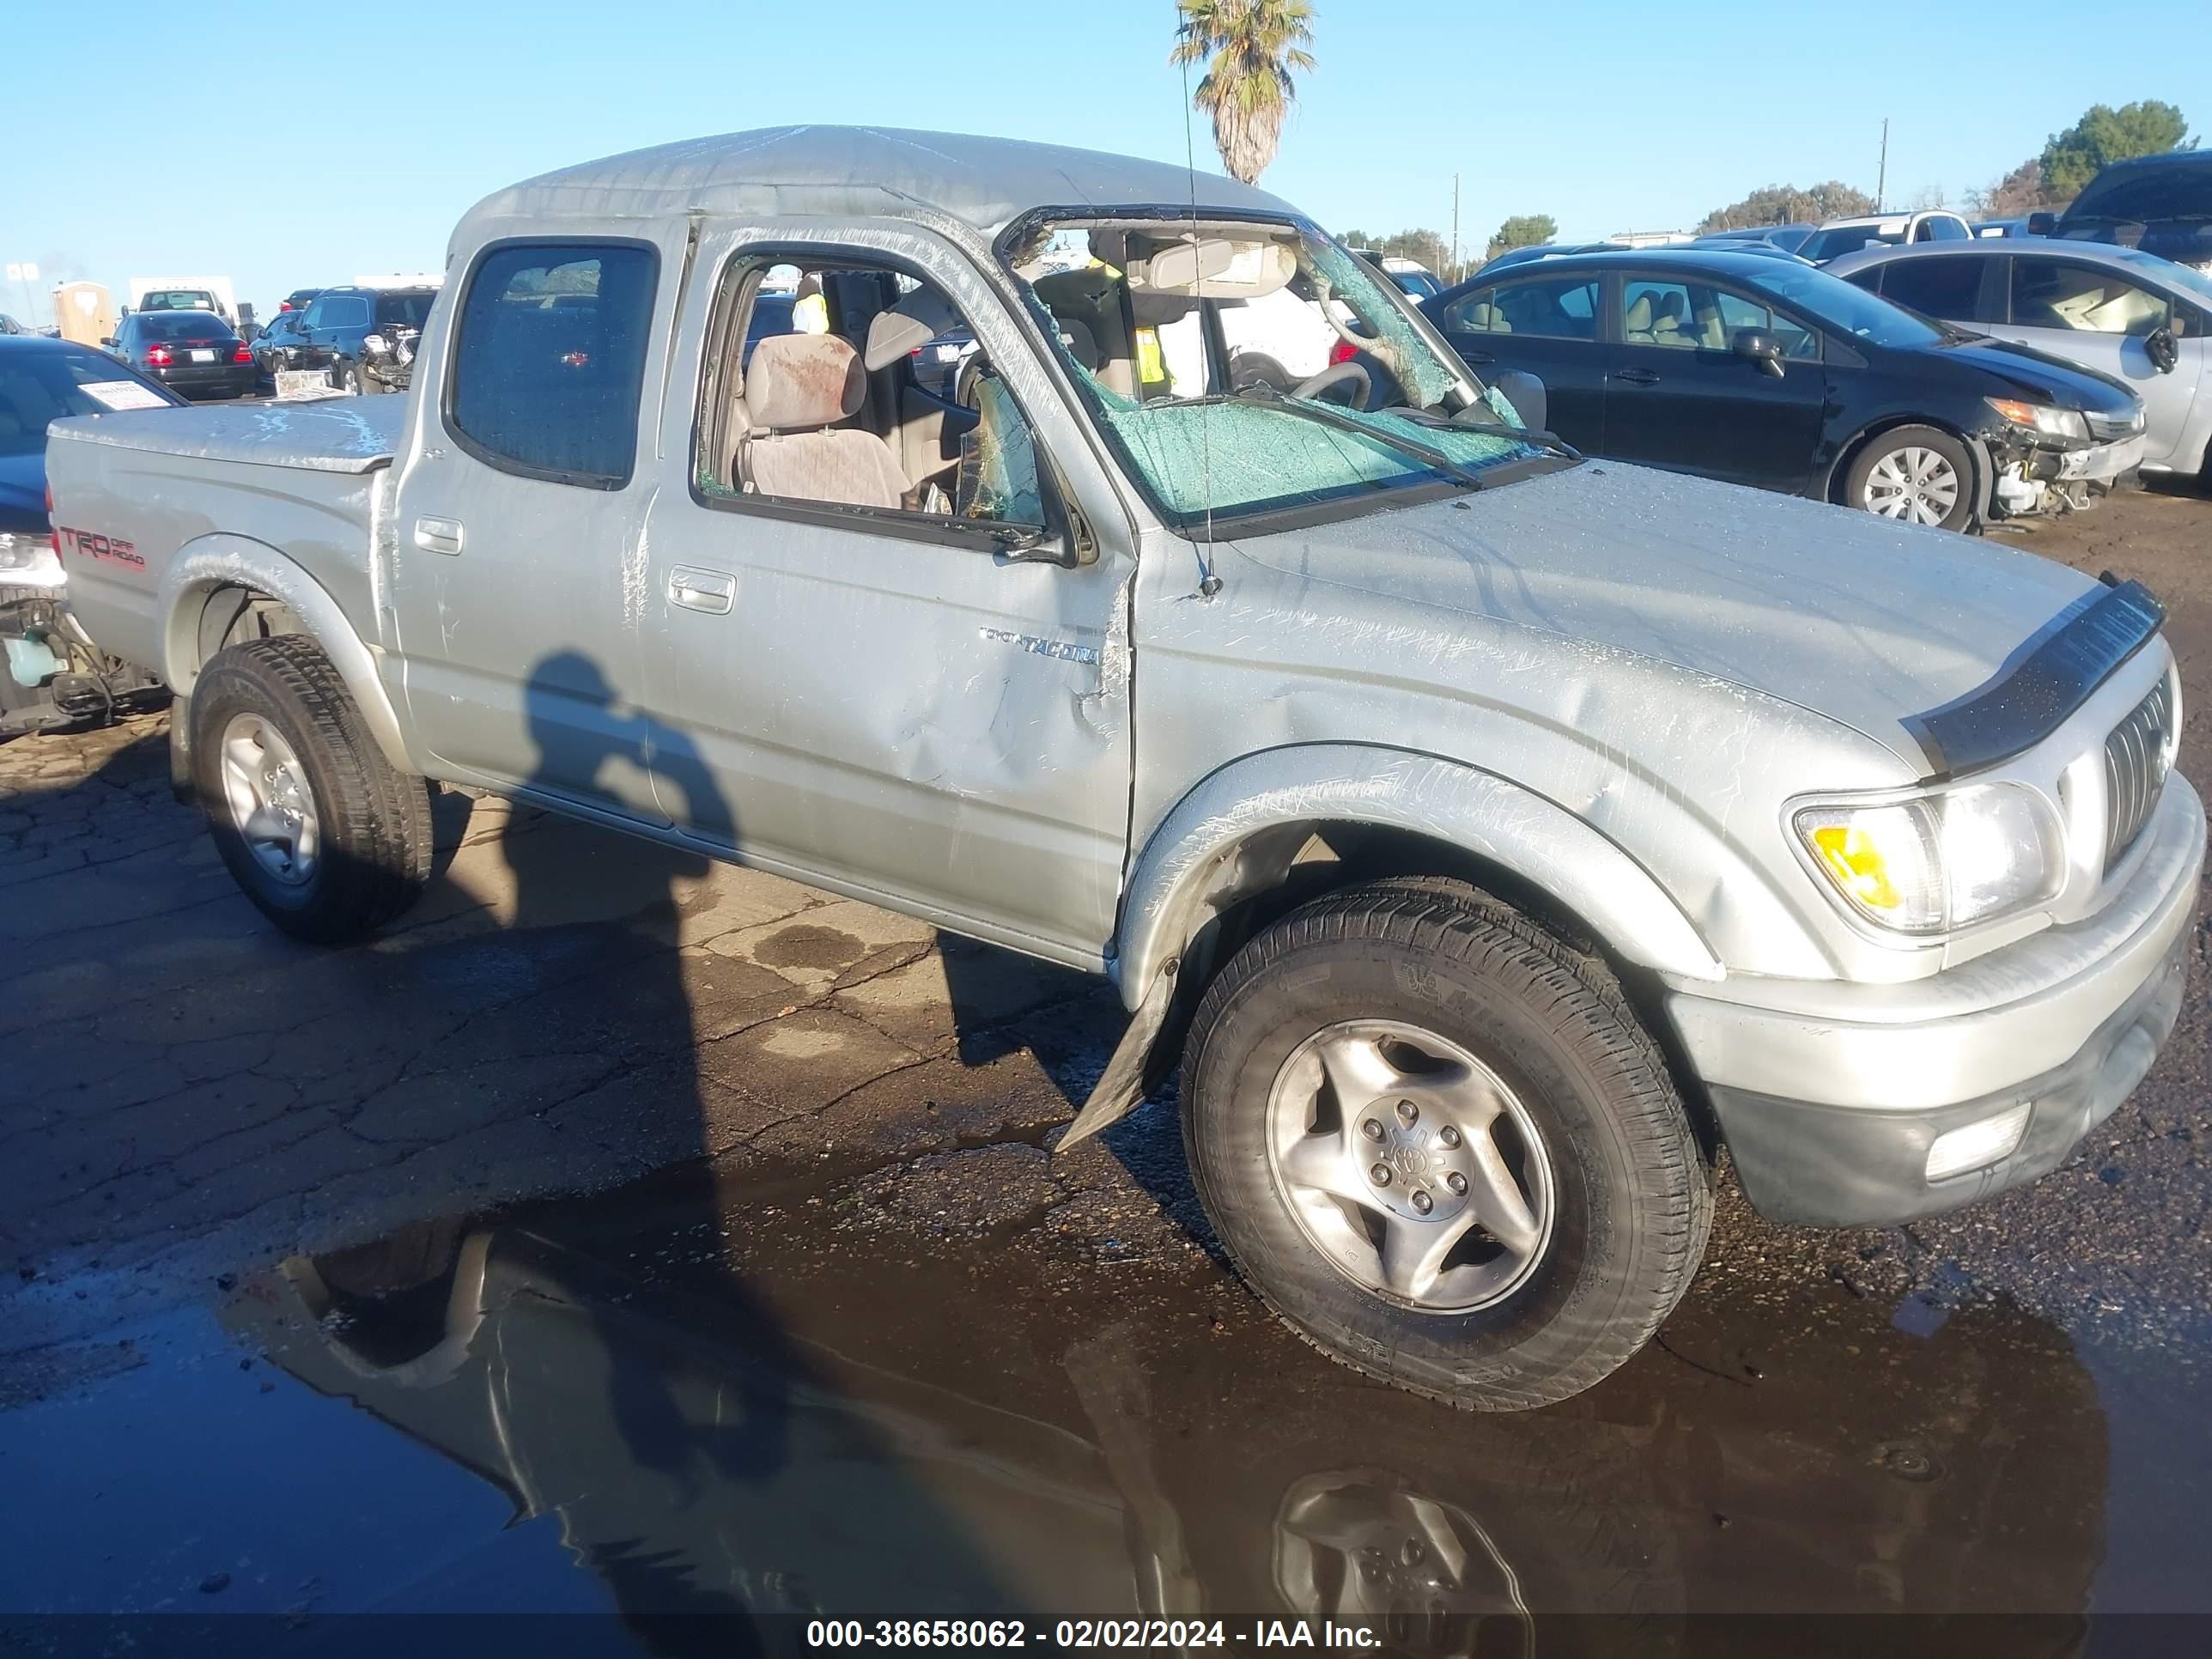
<point x="1086" y="1634"/>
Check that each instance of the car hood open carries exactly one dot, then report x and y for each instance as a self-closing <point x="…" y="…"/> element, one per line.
<point x="1865" y="622"/>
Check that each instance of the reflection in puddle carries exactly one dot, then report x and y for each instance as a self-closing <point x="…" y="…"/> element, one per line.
<point x="810" y="1424"/>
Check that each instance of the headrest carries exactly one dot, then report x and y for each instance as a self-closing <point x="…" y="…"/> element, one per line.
<point x="799" y="380"/>
<point x="916" y="321"/>
<point x="1158" y="310"/>
<point x="1638" y="320"/>
<point x="1082" y="344"/>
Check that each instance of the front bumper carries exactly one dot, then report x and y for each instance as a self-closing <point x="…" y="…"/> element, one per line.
<point x="2102" y="463"/>
<point x="1829" y="1096"/>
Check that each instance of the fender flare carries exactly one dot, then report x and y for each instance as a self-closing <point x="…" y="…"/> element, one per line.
<point x="1187" y="868"/>
<point x="225" y="560"/>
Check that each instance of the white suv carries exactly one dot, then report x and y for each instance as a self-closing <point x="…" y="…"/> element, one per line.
<point x="1841" y="236"/>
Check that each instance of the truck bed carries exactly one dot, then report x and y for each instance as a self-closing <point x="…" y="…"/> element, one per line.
<point x="132" y="489"/>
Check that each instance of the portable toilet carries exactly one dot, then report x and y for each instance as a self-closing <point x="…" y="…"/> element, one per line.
<point x="84" y="311"/>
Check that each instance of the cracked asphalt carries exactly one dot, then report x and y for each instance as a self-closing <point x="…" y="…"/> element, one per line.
<point x="729" y="1128"/>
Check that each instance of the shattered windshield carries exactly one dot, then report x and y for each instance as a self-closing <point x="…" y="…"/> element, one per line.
<point x="1245" y="367"/>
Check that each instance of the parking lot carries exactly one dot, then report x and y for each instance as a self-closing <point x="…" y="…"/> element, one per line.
<point x="750" y="1193"/>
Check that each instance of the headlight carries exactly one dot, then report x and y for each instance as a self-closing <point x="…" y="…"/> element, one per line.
<point x="2045" y="418"/>
<point x="1939" y="862"/>
<point x="373" y="342"/>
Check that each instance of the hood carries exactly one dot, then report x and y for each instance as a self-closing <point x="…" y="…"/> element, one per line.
<point x="23" y="493"/>
<point x="1842" y="613"/>
<point x="2043" y="377"/>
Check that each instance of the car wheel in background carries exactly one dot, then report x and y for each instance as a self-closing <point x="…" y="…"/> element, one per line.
<point x="346" y="377"/>
<point x="323" y="834"/>
<point x="1915" y="474"/>
<point x="1439" y="1144"/>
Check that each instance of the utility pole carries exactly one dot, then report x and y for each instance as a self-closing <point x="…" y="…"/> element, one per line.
<point x="1454" y="256"/>
<point x="1881" y="178"/>
<point x="27" y="275"/>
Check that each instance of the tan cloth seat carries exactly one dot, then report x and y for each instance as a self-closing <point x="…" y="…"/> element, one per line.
<point x="1636" y="321"/>
<point x="798" y="386"/>
<point x="1667" y="320"/>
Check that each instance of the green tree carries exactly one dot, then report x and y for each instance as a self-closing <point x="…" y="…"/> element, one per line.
<point x="1249" y="48"/>
<point x="2105" y="135"/>
<point x="1786" y="205"/>
<point x="1522" y="230"/>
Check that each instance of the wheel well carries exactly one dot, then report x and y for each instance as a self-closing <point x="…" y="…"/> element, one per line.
<point x="231" y="614"/>
<point x="1849" y="452"/>
<point x="1287" y="865"/>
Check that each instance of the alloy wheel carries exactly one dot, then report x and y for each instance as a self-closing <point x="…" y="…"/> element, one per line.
<point x="271" y="803"/>
<point x="1410" y="1165"/>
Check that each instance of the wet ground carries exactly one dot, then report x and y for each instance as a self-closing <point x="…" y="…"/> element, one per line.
<point x="627" y="1236"/>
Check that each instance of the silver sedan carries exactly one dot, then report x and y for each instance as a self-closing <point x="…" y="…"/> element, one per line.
<point x="2128" y="314"/>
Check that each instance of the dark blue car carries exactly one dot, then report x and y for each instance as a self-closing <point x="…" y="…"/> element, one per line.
<point x="43" y="676"/>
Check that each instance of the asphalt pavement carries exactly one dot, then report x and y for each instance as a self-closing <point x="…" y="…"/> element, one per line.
<point x="624" y="1234"/>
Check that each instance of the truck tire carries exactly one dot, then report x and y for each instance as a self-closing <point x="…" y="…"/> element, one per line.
<point x="318" y="828"/>
<point x="1915" y="474"/>
<point x="1438" y="1142"/>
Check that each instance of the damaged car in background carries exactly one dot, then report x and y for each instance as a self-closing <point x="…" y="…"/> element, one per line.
<point x="52" y="674"/>
<point x="1768" y="371"/>
<point x="1491" y="835"/>
<point x="2145" y="321"/>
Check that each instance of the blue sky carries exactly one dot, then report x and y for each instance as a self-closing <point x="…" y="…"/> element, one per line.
<point x="157" y="140"/>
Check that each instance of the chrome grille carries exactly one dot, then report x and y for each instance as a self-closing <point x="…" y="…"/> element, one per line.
<point x="2105" y="427"/>
<point x="2136" y="756"/>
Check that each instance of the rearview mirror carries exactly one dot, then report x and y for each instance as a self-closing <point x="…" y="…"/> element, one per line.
<point x="1760" y="347"/>
<point x="2042" y="223"/>
<point x="1526" y="392"/>
<point x="1030" y="544"/>
<point x="108" y="341"/>
<point x="2164" y="351"/>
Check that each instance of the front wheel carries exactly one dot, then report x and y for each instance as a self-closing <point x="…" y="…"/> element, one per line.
<point x="1915" y="474"/>
<point x="1440" y="1145"/>
<point x="321" y="832"/>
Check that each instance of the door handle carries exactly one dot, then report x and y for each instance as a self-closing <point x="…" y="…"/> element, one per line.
<point x="1469" y="354"/>
<point x="438" y="535"/>
<point x="1637" y="376"/>
<point x="713" y="591"/>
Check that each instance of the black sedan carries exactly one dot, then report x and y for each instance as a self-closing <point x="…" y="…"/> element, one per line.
<point x="280" y="346"/>
<point x="194" y="352"/>
<point x="1768" y="371"/>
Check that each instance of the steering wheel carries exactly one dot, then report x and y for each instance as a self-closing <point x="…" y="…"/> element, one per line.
<point x="1314" y="385"/>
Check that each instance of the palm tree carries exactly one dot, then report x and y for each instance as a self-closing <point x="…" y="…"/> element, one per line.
<point x="1249" y="48"/>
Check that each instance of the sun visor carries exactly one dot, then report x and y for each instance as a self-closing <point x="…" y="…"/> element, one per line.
<point x="1216" y="267"/>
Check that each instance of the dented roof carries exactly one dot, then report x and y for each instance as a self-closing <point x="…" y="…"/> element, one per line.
<point x="855" y="172"/>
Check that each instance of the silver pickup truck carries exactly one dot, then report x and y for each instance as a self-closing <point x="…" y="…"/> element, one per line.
<point x="1493" y="834"/>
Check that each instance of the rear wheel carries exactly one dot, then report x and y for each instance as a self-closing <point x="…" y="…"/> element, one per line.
<point x="323" y="834"/>
<point x="1915" y="474"/>
<point x="1438" y="1143"/>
